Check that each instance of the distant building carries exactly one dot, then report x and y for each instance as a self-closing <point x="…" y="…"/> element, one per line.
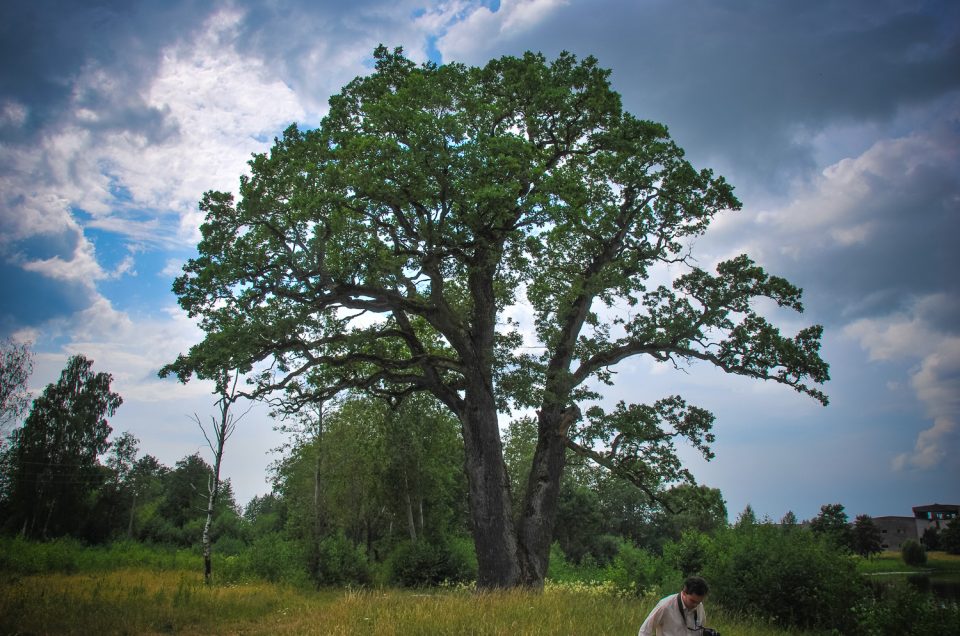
<point x="934" y="516"/>
<point x="896" y="530"/>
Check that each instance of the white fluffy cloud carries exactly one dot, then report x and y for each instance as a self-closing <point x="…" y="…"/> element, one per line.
<point x="482" y="29"/>
<point x="218" y="107"/>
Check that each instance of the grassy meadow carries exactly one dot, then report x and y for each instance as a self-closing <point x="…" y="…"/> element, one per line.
<point x="939" y="563"/>
<point x="62" y="587"/>
<point x="151" y="601"/>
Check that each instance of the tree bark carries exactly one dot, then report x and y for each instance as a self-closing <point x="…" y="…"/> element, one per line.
<point x="494" y="534"/>
<point x="133" y="508"/>
<point x="411" y="526"/>
<point x="539" y="512"/>
<point x="213" y="490"/>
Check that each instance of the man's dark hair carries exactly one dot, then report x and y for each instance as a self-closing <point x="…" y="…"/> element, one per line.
<point x="696" y="585"/>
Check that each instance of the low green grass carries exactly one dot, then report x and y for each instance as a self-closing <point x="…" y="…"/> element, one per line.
<point x="891" y="562"/>
<point x="151" y="601"/>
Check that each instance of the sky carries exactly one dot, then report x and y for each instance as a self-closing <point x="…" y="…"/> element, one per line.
<point x="838" y="123"/>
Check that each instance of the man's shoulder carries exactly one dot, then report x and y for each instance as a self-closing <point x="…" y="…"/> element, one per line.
<point x="667" y="599"/>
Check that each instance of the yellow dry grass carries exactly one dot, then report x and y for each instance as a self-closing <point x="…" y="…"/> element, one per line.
<point x="134" y="601"/>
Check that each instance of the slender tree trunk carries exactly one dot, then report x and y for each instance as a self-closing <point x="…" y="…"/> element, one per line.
<point x="222" y="430"/>
<point x="133" y="508"/>
<point x="46" y="521"/>
<point x="313" y="559"/>
<point x="213" y="488"/>
<point x="420" y="516"/>
<point x="316" y="498"/>
<point x="411" y="526"/>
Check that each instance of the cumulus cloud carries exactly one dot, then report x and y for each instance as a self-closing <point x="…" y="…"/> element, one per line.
<point x="871" y="239"/>
<point x="132" y="349"/>
<point x="47" y="45"/>
<point x="915" y="336"/>
<point x="138" y="183"/>
<point x="316" y="48"/>
<point x="869" y="234"/>
<point x="483" y="29"/>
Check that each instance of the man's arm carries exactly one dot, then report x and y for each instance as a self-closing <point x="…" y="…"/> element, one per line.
<point x="654" y="620"/>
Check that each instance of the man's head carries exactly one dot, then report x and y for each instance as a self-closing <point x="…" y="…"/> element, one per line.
<point x="694" y="590"/>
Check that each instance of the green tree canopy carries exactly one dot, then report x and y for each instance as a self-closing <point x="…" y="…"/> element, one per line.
<point x="53" y="459"/>
<point x="950" y="537"/>
<point x="832" y="522"/>
<point x="16" y="365"/>
<point x="865" y="537"/>
<point x="380" y="251"/>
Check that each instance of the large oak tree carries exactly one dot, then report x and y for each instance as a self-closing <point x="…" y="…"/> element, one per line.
<point x="381" y="251"/>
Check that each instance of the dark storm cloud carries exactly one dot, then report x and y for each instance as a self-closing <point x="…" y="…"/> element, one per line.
<point x="741" y="83"/>
<point x="878" y="232"/>
<point x="45" y="45"/>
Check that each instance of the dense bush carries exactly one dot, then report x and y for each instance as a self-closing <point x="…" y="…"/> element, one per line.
<point x="930" y="539"/>
<point x="564" y="570"/>
<point x="636" y="571"/>
<point x="339" y="562"/>
<point x="28" y="557"/>
<point x="275" y="559"/>
<point x="425" y="563"/>
<point x="913" y="553"/>
<point x="70" y="555"/>
<point x="950" y="537"/>
<point x="900" y="609"/>
<point x="793" y="577"/>
<point x="691" y="553"/>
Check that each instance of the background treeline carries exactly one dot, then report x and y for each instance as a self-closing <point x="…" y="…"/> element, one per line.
<point x="368" y="493"/>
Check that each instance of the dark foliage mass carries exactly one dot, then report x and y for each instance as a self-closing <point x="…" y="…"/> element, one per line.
<point x="61" y="475"/>
<point x="51" y="465"/>
<point x="950" y="537"/>
<point x="913" y="553"/>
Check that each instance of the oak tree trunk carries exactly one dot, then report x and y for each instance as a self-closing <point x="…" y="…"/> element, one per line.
<point x="539" y="511"/>
<point x="489" y="487"/>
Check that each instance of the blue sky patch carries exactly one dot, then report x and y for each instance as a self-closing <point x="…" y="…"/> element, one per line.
<point x="30" y="298"/>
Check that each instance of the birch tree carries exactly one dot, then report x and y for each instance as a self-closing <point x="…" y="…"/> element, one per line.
<point x="220" y="429"/>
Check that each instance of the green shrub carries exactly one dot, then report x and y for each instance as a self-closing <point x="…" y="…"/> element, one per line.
<point x="900" y="609"/>
<point x="228" y="546"/>
<point x="275" y="559"/>
<point x="913" y="553"/>
<point x="431" y="563"/>
<point x="339" y="562"/>
<point x="563" y="570"/>
<point x="635" y="571"/>
<point x="690" y="554"/>
<point x="950" y="537"/>
<point x="20" y="556"/>
<point x="793" y="578"/>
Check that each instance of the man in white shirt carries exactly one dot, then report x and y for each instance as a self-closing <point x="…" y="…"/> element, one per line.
<point x="680" y="614"/>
